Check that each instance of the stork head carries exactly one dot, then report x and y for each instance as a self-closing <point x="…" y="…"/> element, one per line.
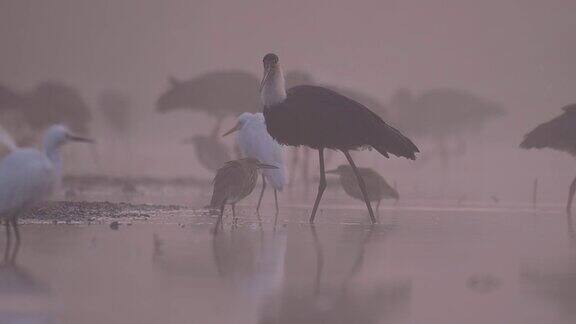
<point x="272" y="87"/>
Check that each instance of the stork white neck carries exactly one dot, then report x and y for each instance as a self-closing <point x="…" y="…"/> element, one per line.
<point x="274" y="89"/>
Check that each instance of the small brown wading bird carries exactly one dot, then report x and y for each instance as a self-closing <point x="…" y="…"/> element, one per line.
<point x="234" y="182"/>
<point x="323" y="119"/>
<point x="376" y="187"/>
<point x="558" y="134"/>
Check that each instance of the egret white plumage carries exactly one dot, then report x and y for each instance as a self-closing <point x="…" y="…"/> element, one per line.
<point x="28" y="176"/>
<point x="324" y="119"/>
<point x="255" y="142"/>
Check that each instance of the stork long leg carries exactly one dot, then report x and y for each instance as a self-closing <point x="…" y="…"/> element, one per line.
<point x="14" y="222"/>
<point x="571" y="196"/>
<point x="321" y="185"/>
<point x="261" y="193"/>
<point x="362" y="186"/>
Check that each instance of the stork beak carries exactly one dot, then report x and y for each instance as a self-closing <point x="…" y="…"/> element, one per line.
<point x="267" y="73"/>
<point x="234" y="129"/>
<point x="266" y="166"/>
<point x="79" y="139"/>
<point x="335" y="171"/>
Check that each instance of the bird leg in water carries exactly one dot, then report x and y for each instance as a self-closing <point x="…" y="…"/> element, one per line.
<point x="8" y="240"/>
<point x="571" y="196"/>
<point x="362" y="185"/>
<point x="17" y="235"/>
<point x="277" y="210"/>
<point x="261" y="193"/>
<point x="378" y="205"/>
<point x="234" y="219"/>
<point x="219" y="222"/>
<point x="321" y="185"/>
<point x="276" y="201"/>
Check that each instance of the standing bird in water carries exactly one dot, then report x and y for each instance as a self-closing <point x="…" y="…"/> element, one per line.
<point x="234" y="182"/>
<point x="323" y="119"/>
<point x="255" y="142"/>
<point x="558" y="134"/>
<point x="28" y="176"/>
<point x="376" y="187"/>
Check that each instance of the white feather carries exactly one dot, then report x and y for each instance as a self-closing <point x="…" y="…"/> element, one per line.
<point x="255" y="142"/>
<point x="28" y="176"/>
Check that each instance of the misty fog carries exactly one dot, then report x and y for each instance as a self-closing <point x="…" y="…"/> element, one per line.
<point x="517" y="54"/>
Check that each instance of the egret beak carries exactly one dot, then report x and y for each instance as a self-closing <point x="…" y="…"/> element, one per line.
<point x="79" y="139"/>
<point x="267" y="73"/>
<point x="335" y="171"/>
<point x="234" y="129"/>
<point x="266" y="166"/>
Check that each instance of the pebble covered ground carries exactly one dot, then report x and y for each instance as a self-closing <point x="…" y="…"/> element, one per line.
<point x="82" y="212"/>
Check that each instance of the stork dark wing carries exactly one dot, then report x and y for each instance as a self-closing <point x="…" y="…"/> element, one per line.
<point x="558" y="134"/>
<point x="321" y="118"/>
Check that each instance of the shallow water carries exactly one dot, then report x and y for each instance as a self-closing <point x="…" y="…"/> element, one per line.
<point x="419" y="265"/>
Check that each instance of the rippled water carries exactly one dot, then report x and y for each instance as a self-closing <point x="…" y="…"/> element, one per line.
<point x="418" y="266"/>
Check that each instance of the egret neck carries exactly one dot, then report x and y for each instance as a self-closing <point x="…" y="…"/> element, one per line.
<point x="273" y="86"/>
<point x="52" y="146"/>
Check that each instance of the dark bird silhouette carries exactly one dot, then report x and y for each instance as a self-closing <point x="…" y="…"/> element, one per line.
<point x="55" y="102"/>
<point x="558" y="134"/>
<point x="376" y="187"/>
<point x="211" y="152"/>
<point x="218" y="94"/>
<point x="295" y="78"/>
<point x="442" y="114"/>
<point x="234" y="182"/>
<point x="323" y="119"/>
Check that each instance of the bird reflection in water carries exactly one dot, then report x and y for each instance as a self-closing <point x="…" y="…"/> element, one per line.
<point x="336" y="303"/>
<point x="23" y="297"/>
<point x="555" y="282"/>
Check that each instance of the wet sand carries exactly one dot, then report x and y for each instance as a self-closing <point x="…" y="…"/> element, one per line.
<point x="164" y="265"/>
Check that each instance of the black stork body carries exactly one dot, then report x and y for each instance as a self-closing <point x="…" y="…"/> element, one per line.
<point x="558" y="134"/>
<point x="321" y="119"/>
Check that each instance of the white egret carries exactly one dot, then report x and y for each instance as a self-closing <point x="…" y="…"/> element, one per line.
<point x="255" y="142"/>
<point x="28" y="176"/>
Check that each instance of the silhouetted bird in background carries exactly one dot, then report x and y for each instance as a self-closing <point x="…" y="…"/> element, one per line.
<point x="234" y="182"/>
<point x="558" y="134"/>
<point x="210" y="152"/>
<point x="218" y="94"/>
<point x="323" y="119"/>
<point x="376" y="187"/>
<point x="444" y="114"/>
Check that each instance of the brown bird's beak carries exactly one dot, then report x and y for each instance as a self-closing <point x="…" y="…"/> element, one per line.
<point x="266" y="166"/>
<point x="267" y="73"/>
<point x="335" y="171"/>
<point x="234" y="129"/>
<point x="79" y="139"/>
